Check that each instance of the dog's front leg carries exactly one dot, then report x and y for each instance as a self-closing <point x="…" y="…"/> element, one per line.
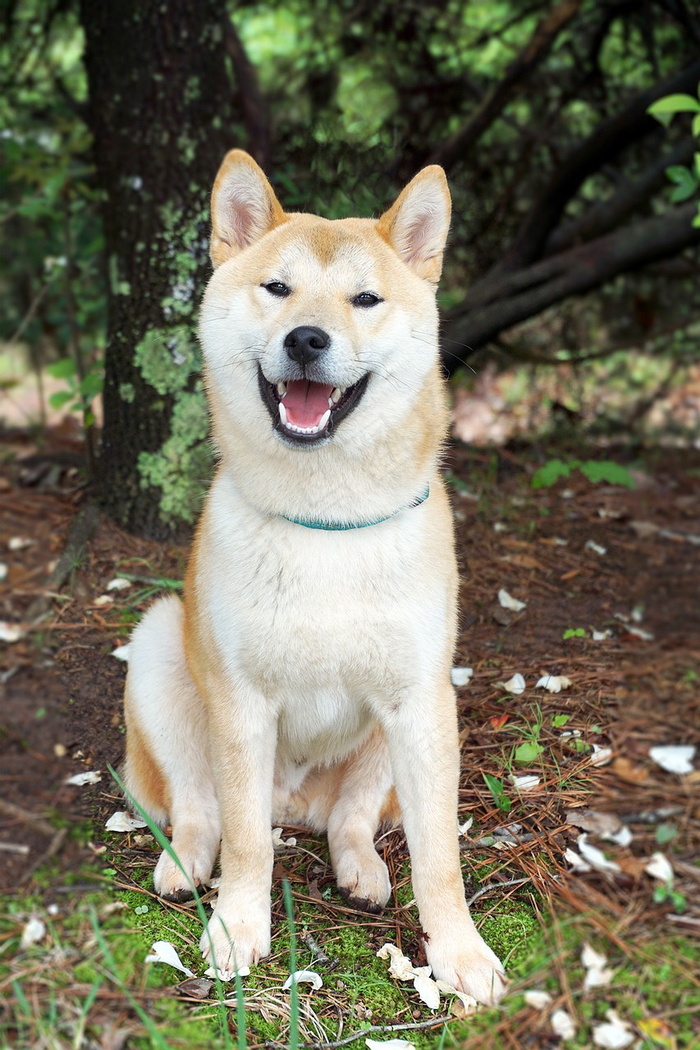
<point x="243" y="730"/>
<point x="424" y="751"/>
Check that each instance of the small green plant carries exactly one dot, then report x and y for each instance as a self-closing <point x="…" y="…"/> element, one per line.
<point x="80" y="391"/>
<point x="574" y="632"/>
<point x="592" y="469"/>
<point x="665" y="893"/>
<point x="686" y="180"/>
<point x="497" y="790"/>
<point x="560" y="720"/>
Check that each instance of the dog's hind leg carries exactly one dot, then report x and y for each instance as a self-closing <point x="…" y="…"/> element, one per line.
<point x="167" y="768"/>
<point x="364" y="798"/>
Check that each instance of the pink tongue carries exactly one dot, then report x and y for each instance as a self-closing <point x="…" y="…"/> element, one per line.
<point x="306" y="402"/>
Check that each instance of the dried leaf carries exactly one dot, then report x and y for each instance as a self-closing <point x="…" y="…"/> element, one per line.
<point x="195" y="987"/>
<point x="627" y="771"/>
<point x="122" y="821"/>
<point x="674" y="758"/>
<point x="658" y="1031"/>
<point x="510" y="603"/>
<point x="303" y="977"/>
<point x="164" y="952"/>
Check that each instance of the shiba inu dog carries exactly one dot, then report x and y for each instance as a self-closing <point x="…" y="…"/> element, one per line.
<point x="306" y="676"/>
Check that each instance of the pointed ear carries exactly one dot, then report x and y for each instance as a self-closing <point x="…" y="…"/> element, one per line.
<point x="243" y="206"/>
<point x="416" y="225"/>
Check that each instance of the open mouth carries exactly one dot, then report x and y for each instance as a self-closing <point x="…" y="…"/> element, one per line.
<point x="305" y="412"/>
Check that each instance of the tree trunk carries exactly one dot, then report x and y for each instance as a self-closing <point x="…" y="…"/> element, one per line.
<point x="161" y="114"/>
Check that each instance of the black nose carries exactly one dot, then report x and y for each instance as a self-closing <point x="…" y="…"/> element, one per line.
<point x="305" y="344"/>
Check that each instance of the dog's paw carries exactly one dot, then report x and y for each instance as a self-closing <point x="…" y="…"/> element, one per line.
<point x="170" y="882"/>
<point x="364" y="881"/>
<point x="468" y="964"/>
<point x="232" y="945"/>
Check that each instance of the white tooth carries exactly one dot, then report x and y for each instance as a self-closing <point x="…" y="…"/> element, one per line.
<point x="324" y="419"/>
<point x="336" y="395"/>
<point x="282" y="389"/>
<point x="283" y="414"/>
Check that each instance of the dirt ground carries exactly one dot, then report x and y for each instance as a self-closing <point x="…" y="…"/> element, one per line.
<point x="637" y="688"/>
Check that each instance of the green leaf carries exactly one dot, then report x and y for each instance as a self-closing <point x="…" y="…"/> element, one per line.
<point x="560" y="720"/>
<point x="550" y="473"/>
<point x="695" y="126"/>
<point x="574" y="632"/>
<point x="606" y="470"/>
<point x="91" y="386"/>
<point x="665" y="108"/>
<point x="60" y="398"/>
<point x="528" y="752"/>
<point x="63" y="369"/>
<point x="686" y="183"/>
<point x="666" y="833"/>
<point x="495" y="786"/>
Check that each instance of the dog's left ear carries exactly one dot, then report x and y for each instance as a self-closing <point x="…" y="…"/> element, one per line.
<point x="243" y="206"/>
<point x="416" y="225"/>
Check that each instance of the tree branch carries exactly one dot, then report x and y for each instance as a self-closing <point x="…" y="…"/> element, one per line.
<point x="510" y="298"/>
<point x="500" y="94"/>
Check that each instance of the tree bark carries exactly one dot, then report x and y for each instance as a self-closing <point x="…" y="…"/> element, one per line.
<point x="161" y="115"/>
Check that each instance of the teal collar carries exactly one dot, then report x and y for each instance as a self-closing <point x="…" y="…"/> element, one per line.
<point x="342" y="526"/>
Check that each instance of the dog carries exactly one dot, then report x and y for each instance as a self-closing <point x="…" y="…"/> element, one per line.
<point x="306" y="676"/>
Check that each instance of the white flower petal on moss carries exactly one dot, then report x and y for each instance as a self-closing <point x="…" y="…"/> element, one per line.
<point x="614" y="1034"/>
<point x="122" y="821"/>
<point x="164" y="952"/>
<point x="303" y="977"/>
<point x="562" y="1024"/>
<point x="461" y="676"/>
<point x="226" y="976"/>
<point x="576" y="861"/>
<point x="279" y="843"/>
<point x="80" y="779"/>
<point x="595" y="857"/>
<point x="389" y="1044"/>
<point x="468" y="1001"/>
<point x="118" y="584"/>
<point x="508" y="602"/>
<point x="538" y="1000"/>
<point x="121" y="652"/>
<point x="427" y="989"/>
<point x="515" y="685"/>
<point x="34" y="931"/>
<point x="553" y="683"/>
<point x="596" y="965"/>
<point x="400" y="966"/>
<point x="674" y="758"/>
<point x="659" y="867"/>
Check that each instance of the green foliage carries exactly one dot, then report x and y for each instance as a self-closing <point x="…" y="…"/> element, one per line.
<point x="686" y="180"/>
<point x="80" y="392"/>
<point x="497" y="790"/>
<point x="595" y="470"/>
<point x="574" y="632"/>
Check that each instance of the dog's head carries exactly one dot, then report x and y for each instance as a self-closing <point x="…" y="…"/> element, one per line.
<point x="332" y="323"/>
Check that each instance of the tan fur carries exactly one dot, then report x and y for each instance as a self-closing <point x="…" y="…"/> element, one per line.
<point x="306" y="676"/>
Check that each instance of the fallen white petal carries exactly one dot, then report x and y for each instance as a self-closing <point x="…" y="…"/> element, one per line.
<point x="597" y="973"/>
<point x="615" y="1034"/>
<point x="79" y="779"/>
<point x="461" y="675"/>
<point x="515" y="685"/>
<point x="389" y="1044"/>
<point x="400" y="966"/>
<point x="553" y="683"/>
<point x="659" y="867"/>
<point x="468" y="1001"/>
<point x="18" y="543"/>
<point x="118" y="584"/>
<point x="303" y="977"/>
<point x="538" y="1000"/>
<point x="33" y="932"/>
<point x="164" y="952"/>
<point x="3" y="571"/>
<point x="646" y="636"/>
<point x="674" y="758"/>
<point x="595" y="857"/>
<point x="510" y="603"/>
<point x="10" y="632"/>
<point x="279" y="843"/>
<point x="601" y="636"/>
<point x="104" y="599"/>
<point x="601" y="755"/>
<point x="226" y="975"/>
<point x="591" y="545"/>
<point x="464" y="828"/>
<point x="623" y="837"/>
<point x="575" y="861"/>
<point x="427" y="989"/>
<point x="122" y="821"/>
<point x="121" y="652"/>
<point x="562" y="1024"/>
<point x="525" y="783"/>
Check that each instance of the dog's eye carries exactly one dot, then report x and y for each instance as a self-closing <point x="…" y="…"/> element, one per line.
<point x="277" y="288"/>
<point x="367" y="299"/>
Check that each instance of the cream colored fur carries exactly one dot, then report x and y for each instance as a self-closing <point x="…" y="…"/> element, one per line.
<point x="307" y="675"/>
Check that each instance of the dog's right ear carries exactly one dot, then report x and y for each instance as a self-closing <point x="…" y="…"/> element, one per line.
<point x="243" y="206"/>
